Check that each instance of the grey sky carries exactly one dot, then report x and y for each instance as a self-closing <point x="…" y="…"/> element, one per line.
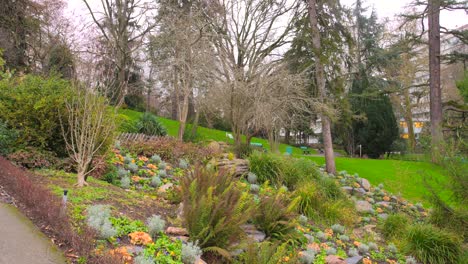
<point x="390" y="8"/>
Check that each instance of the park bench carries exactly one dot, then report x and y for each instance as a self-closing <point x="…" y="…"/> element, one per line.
<point x="258" y="146"/>
<point x="305" y="150"/>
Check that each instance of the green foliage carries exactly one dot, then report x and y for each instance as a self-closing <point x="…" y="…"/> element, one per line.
<point x="7" y="138"/>
<point x="252" y="178"/>
<point x="308" y="256"/>
<point x="31" y="158"/>
<point x="155" y="225"/>
<point x="265" y="253"/>
<point x="155" y="181"/>
<point x="274" y="218"/>
<point x="462" y="86"/>
<point x="243" y="150"/>
<point x="45" y="97"/>
<point x="61" y="61"/>
<point x="125" y="226"/>
<point x="313" y="201"/>
<point x="125" y="182"/>
<point x="134" y="102"/>
<point x="394" y="226"/>
<point x="281" y="170"/>
<point x="432" y="245"/>
<point x="164" y="250"/>
<point x="149" y="124"/>
<point x="214" y="209"/>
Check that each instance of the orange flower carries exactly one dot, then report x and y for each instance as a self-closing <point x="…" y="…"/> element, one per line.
<point x="122" y="252"/>
<point x="143" y="158"/>
<point x="391" y="261"/>
<point x="386" y="198"/>
<point x="329" y="232"/>
<point x="324" y="246"/>
<point x="136" y="178"/>
<point x="152" y="166"/>
<point x="314" y="246"/>
<point x="366" y="261"/>
<point x="168" y="167"/>
<point x="379" y="210"/>
<point x="357" y="243"/>
<point x="140" y="238"/>
<point x="286" y="259"/>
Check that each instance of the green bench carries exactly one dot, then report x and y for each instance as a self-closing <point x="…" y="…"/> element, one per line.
<point x="258" y="146"/>
<point x="305" y="150"/>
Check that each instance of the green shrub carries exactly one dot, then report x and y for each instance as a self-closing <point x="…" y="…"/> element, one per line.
<point x="7" y="138"/>
<point x="265" y="253"/>
<point x="214" y="209"/>
<point x="31" y="158"/>
<point x="149" y="124"/>
<point x="281" y="170"/>
<point x="274" y="218"/>
<point x="311" y="200"/>
<point x="125" y="226"/>
<point x="135" y="102"/>
<point x="394" y="226"/>
<point x="432" y="245"/>
<point x="243" y="150"/>
<point x="32" y="104"/>
<point x="98" y="218"/>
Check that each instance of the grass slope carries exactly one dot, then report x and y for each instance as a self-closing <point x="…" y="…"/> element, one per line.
<point x="204" y="133"/>
<point x="399" y="177"/>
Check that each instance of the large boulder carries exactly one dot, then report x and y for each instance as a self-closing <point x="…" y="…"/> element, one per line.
<point x="332" y="259"/>
<point x="363" y="206"/>
<point x="365" y="184"/>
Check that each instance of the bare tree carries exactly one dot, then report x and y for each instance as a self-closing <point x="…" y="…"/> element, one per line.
<point x="320" y="79"/>
<point x="247" y="36"/>
<point x="88" y="125"/>
<point x="123" y="24"/>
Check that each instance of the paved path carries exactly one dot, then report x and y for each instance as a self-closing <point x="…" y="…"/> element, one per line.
<point x="23" y="243"/>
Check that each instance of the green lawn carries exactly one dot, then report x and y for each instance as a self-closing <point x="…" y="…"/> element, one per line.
<point x="172" y="127"/>
<point x="398" y="177"/>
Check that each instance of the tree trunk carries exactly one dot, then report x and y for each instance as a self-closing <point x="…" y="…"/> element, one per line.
<point x="409" y="121"/>
<point x="195" y="123"/>
<point x="183" y="117"/>
<point x="81" y="175"/>
<point x="434" y="77"/>
<point x="287" y="136"/>
<point x="320" y="77"/>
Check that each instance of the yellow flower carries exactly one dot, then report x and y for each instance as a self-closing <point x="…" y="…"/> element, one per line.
<point x="379" y="210"/>
<point x="286" y="259"/>
<point x="173" y="253"/>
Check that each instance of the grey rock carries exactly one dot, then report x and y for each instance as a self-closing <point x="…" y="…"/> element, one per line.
<point x="253" y="233"/>
<point x="383" y="203"/>
<point x="347" y="189"/>
<point x="363" y="206"/>
<point x="360" y="192"/>
<point x="382" y="216"/>
<point x="365" y="184"/>
<point x="354" y="260"/>
<point x="165" y="187"/>
<point x="332" y="259"/>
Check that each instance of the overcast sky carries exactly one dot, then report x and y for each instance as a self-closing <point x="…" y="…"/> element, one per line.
<point x="390" y="8"/>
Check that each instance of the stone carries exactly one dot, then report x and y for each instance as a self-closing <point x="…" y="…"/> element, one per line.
<point x="199" y="261"/>
<point x="383" y="216"/>
<point x="383" y="203"/>
<point x="365" y="184"/>
<point x="354" y="260"/>
<point x="253" y="233"/>
<point x="238" y="167"/>
<point x="359" y="192"/>
<point x="176" y="231"/>
<point x="363" y="206"/>
<point x="165" y="187"/>
<point x="215" y="147"/>
<point x="332" y="259"/>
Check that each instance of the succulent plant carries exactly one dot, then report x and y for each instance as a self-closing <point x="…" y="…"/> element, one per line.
<point x="338" y="229"/>
<point x="162" y="165"/>
<point x="392" y="248"/>
<point x="98" y="219"/>
<point x="320" y="235"/>
<point x="363" y="248"/>
<point x="125" y="182"/>
<point x="366" y="219"/>
<point x="303" y="219"/>
<point x="353" y="252"/>
<point x="122" y="172"/>
<point x="156" y="181"/>
<point x="190" y="252"/>
<point x="308" y="256"/>
<point x="373" y="246"/>
<point x="343" y="238"/>
<point x="309" y="238"/>
<point x="162" y="173"/>
<point x="331" y="251"/>
<point x="128" y="159"/>
<point x="252" y="178"/>
<point x="411" y="260"/>
<point x="133" y="167"/>
<point x="380" y="185"/>
<point x="155" y="225"/>
<point x="254" y="188"/>
<point x="183" y="164"/>
<point x="156" y="159"/>
<point x="142" y="259"/>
